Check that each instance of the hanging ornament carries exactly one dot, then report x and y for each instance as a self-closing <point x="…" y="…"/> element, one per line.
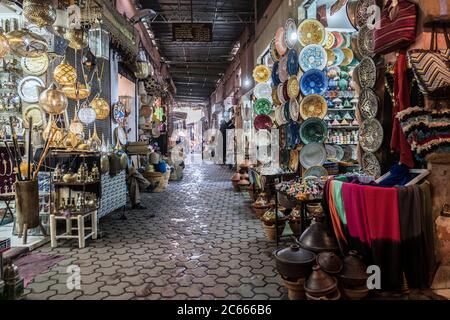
<point x="4" y="45"/>
<point x="65" y="74"/>
<point x="96" y="143"/>
<point x="76" y="127"/>
<point x="53" y="101"/>
<point x="39" y="12"/>
<point x="86" y="115"/>
<point x="77" y="91"/>
<point x="99" y="39"/>
<point x="101" y="107"/>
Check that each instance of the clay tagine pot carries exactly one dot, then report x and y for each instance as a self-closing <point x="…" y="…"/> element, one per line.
<point x="261" y="205"/>
<point x="295" y="221"/>
<point x="319" y="283"/>
<point x="354" y="273"/>
<point x="235" y="180"/>
<point x="294" y="262"/>
<point x="329" y="262"/>
<point x="318" y="239"/>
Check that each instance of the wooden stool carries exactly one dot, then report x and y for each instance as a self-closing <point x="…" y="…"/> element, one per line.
<point x="7" y="198"/>
<point x="80" y="229"/>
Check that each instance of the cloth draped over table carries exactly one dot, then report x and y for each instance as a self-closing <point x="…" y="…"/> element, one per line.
<point x="391" y="227"/>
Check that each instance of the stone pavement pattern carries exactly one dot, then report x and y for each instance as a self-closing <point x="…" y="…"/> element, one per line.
<point x="204" y="243"/>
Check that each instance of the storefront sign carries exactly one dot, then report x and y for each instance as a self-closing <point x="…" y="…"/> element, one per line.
<point x="191" y="32"/>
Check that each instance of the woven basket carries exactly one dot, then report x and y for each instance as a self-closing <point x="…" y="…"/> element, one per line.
<point x="157" y="179"/>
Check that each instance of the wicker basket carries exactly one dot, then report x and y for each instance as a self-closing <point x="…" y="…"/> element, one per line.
<point x="157" y="179"/>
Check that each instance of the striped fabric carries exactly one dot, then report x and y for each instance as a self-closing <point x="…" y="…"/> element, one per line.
<point x="432" y="71"/>
<point x="397" y="27"/>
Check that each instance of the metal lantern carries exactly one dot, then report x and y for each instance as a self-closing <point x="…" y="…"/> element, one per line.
<point x="141" y="66"/>
<point x="39" y="12"/>
<point x="4" y="45"/>
<point x="101" y="108"/>
<point x="76" y="127"/>
<point x="65" y="74"/>
<point x="53" y="101"/>
<point x="99" y="39"/>
<point x="77" y="91"/>
<point x="57" y="45"/>
<point x="87" y="115"/>
<point x="77" y="38"/>
<point x="74" y="14"/>
<point x="24" y="43"/>
<point x="62" y="21"/>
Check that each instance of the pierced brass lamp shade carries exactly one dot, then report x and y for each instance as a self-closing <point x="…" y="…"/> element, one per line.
<point x="39" y="12"/>
<point x="101" y="108"/>
<point x="77" y="38"/>
<point x="53" y="101"/>
<point x="65" y="74"/>
<point x="76" y="92"/>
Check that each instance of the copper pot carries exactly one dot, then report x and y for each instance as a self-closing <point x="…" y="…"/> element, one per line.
<point x="317" y="238"/>
<point x="294" y="262"/>
<point x="329" y="262"/>
<point x="319" y="283"/>
<point x="354" y="270"/>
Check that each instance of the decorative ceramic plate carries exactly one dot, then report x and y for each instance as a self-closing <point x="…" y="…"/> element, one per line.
<point x="278" y="117"/>
<point x="313" y="130"/>
<point x="313" y="57"/>
<point x="292" y="63"/>
<point x="339" y="40"/>
<point x="339" y="152"/>
<point x="314" y="82"/>
<point x="280" y="93"/>
<point x="348" y="56"/>
<point x="331" y="152"/>
<point x="285" y="91"/>
<point x="361" y="12"/>
<point x="312" y="154"/>
<point x="263" y="90"/>
<point x="339" y="57"/>
<point x="263" y="122"/>
<point x="28" y="89"/>
<point x="368" y="103"/>
<point x="275" y="77"/>
<point x="36" y="113"/>
<point x="294" y="109"/>
<point x="263" y="106"/>
<point x="349" y="153"/>
<point x="121" y="135"/>
<point x="331" y="57"/>
<point x="367" y="73"/>
<point x="283" y="73"/>
<point x="371" y="135"/>
<point x="371" y="165"/>
<point x="280" y="41"/>
<point x="275" y="99"/>
<point x="261" y="73"/>
<point x="35" y="66"/>
<point x="311" y="31"/>
<point x="290" y="34"/>
<point x="293" y="87"/>
<point x="329" y="40"/>
<point x="313" y="106"/>
<point x="316" y="171"/>
<point x="286" y="112"/>
<point x="365" y="42"/>
<point x="273" y="51"/>
<point x="119" y="113"/>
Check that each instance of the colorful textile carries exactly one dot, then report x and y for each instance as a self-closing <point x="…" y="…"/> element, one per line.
<point x="337" y="197"/>
<point x="335" y="219"/>
<point x="355" y="205"/>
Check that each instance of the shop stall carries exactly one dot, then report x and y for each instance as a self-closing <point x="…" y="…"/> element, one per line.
<point x="362" y="116"/>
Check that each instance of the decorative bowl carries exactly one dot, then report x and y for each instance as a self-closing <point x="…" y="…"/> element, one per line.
<point x="313" y="105"/>
<point x="313" y="130"/>
<point x="313" y="57"/>
<point x="314" y="82"/>
<point x="311" y="31"/>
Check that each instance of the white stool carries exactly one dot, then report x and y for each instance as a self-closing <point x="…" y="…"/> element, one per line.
<point x="80" y="229"/>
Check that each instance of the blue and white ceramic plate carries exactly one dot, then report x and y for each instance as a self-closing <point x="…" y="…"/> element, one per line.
<point x="313" y="56"/>
<point x="339" y="57"/>
<point x="292" y="64"/>
<point x="314" y="82"/>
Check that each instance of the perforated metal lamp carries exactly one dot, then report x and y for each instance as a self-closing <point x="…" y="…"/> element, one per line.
<point x="99" y="39"/>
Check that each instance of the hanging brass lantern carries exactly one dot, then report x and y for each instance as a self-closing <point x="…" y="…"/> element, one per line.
<point x="77" y="38"/>
<point x="53" y="101"/>
<point x="141" y="66"/>
<point x="101" y="108"/>
<point x="24" y="43"/>
<point x="77" y="91"/>
<point x="65" y="74"/>
<point x="39" y="12"/>
<point x="4" y="45"/>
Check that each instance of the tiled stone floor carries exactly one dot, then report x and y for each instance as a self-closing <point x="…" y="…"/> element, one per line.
<point x="204" y="243"/>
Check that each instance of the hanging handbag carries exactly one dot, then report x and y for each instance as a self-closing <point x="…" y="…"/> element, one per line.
<point x="432" y="68"/>
<point x="397" y="26"/>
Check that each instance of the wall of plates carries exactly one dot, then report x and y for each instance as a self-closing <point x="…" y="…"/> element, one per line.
<point x="309" y="90"/>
